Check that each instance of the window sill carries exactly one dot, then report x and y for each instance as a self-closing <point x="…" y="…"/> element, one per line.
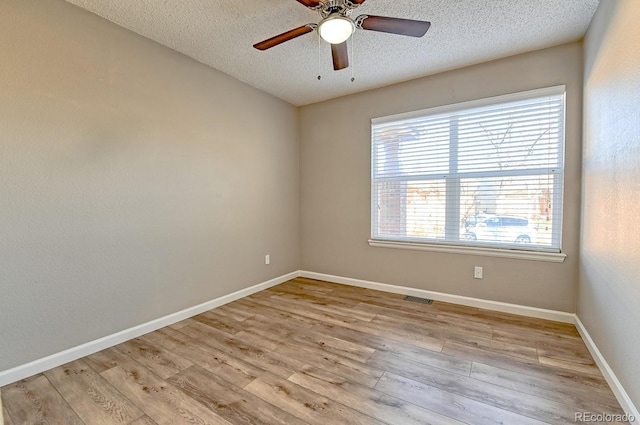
<point x="552" y="257"/>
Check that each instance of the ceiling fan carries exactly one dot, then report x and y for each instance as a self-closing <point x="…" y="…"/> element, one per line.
<point x="336" y="27"/>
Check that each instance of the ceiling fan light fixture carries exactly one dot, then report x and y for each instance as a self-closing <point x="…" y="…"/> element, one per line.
<point x="336" y="28"/>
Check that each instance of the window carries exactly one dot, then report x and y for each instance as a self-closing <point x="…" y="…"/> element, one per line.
<point x="485" y="173"/>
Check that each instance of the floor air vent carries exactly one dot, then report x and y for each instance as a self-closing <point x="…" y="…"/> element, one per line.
<point x="418" y="299"/>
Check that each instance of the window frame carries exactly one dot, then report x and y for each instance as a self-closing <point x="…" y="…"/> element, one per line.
<point x="505" y="250"/>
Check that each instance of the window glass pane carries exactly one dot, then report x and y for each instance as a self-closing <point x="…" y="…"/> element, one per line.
<point x="426" y="209"/>
<point x="412" y="210"/>
<point x="516" y="136"/>
<point x="412" y="148"/>
<point x="508" y="210"/>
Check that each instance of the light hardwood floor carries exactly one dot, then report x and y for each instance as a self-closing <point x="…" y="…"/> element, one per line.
<point x="312" y="352"/>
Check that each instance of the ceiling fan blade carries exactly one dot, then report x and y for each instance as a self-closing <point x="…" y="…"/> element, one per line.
<point x="354" y="3"/>
<point x="285" y="36"/>
<point x="309" y="3"/>
<point x="340" y="56"/>
<point x="399" y="26"/>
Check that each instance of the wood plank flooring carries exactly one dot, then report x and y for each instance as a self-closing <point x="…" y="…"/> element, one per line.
<point x="313" y="352"/>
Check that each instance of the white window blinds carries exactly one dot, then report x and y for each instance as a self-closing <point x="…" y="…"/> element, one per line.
<point x="482" y="173"/>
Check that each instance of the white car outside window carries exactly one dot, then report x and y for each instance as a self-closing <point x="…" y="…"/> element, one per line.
<point x="503" y="229"/>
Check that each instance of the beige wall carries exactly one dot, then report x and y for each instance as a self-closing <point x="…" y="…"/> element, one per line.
<point x="609" y="290"/>
<point x="335" y="185"/>
<point x="134" y="181"/>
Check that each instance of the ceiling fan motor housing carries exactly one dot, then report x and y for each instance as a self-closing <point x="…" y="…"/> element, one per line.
<point x="342" y="7"/>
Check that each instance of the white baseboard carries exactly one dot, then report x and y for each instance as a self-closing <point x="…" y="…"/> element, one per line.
<point x="617" y="388"/>
<point x="541" y="313"/>
<point x="37" y="366"/>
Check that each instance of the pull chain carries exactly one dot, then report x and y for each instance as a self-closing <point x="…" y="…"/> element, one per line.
<point x="353" y="58"/>
<point x="319" y="76"/>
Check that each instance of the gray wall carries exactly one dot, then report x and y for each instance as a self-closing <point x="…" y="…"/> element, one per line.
<point x="134" y="181"/>
<point x="335" y="185"/>
<point x="609" y="290"/>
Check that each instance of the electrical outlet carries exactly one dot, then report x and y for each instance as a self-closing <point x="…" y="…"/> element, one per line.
<point x="267" y="260"/>
<point x="477" y="272"/>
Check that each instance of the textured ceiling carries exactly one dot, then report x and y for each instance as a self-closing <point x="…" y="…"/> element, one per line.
<point x="220" y="33"/>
